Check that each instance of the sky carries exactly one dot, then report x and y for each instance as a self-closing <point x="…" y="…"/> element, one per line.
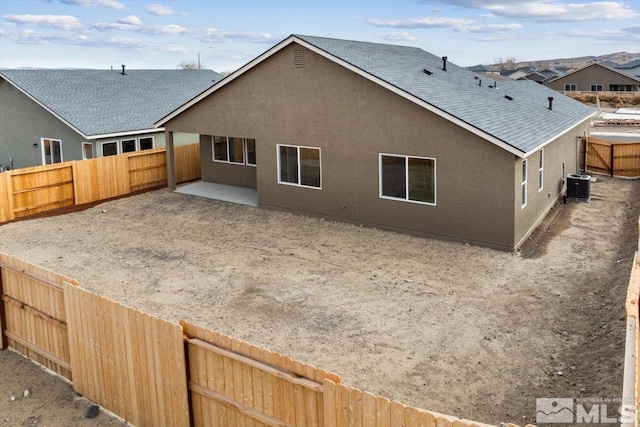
<point x="159" y="34"/>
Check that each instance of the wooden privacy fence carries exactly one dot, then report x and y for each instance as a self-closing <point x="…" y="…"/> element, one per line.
<point x="158" y="373"/>
<point x="631" y="379"/>
<point x="29" y="191"/>
<point x="609" y="157"/>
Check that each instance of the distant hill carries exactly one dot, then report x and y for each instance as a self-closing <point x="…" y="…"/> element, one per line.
<point x="578" y="62"/>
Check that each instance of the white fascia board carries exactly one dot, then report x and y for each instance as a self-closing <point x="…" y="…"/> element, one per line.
<point x="53" y="113"/>
<point x="228" y="79"/>
<point x="128" y="133"/>
<point x="553" y="138"/>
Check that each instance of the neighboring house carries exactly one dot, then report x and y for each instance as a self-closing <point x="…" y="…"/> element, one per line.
<point x="387" y="136"/>
<point x="595" y="77"/>
<point x="514" y="74"/>
<point x="49" y="116"/>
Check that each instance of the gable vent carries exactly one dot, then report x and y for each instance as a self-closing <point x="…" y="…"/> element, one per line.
<point x="298" y="58"/>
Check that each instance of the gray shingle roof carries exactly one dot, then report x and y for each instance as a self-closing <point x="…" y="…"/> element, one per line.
<point x="524" y="123"/>
<point x="98" y="102"/>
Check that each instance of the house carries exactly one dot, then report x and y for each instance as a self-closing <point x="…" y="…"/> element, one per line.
<point x="595" y="77"/>
<point x="51" y="115"/>
<point x="514" y="74"/>
<point x="387" y="136"/>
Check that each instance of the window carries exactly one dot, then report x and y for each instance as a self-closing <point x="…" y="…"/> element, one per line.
<point x="570" y="87"/>
<point x="541" y="171"/>
<point x="250" y="155"/>
<point x="412" y="179"/>
<point x="51" y="151"/>
<point x="128" y="145"/>
<point x="87" y="150"/>
<point x="109" y="148"/>
<point x="230" y="149"/>
<point x="146" y="143"/>
<point x="524" y="182"/>
<point x="299" y="166"/>
<point x="596" y="88"/>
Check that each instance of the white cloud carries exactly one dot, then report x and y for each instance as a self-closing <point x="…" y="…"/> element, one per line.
<point x="111" y="4"/>
<point x="490" y="28"/>
<point x="549" y="10"/>
<point x="158" y="9"/>
<point x="633" y="29"/>
<point x="64" y="22"/>
<point x="130" y="20"/>
<point x="421" y="23"/>
<point x="459" y="25"/>
<point x="395" y="36"/>
<point x="217" y="35"/>
<point x="145" y="29"/>
<point x="27" y="36"/>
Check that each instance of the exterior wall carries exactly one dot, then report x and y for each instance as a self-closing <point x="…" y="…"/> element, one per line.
<point x="352" y="120"/>
<point x="565" y="149"/>
<point x="158" y="140"/>
<point x="224" y="173"/>
<point x="595" y="74"/>
<point x="23" y="123"/>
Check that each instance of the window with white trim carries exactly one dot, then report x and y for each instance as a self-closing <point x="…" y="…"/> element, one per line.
<point x="51" y="151"/>
<point x="541" y="171"/>
<point x="408" y="178"/>
<point x="128" y="145"/>
<point x="298" y="165"/>
<point x="146" y="143"/>
<point x="524" y="183"/>
<point x="110" y="148"/>
<point x="231" y="149"/>
<point x="596" y="88"/>
<point x="570" y="87"/>
<point x="87" y="151"/>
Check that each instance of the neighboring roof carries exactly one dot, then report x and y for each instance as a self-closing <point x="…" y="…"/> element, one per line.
<point x="520" y="125"/>
<point x="632" y="64"/>
<point x="105" y="102"/>
<point x="481" y="69"/>
<point x="595" y="64"/>
<point x="548" y="73"/>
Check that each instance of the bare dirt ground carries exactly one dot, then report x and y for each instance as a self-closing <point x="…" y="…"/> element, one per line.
<point x="453" y="328"/>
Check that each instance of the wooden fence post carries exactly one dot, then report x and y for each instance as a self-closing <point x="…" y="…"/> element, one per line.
<point x="4" y="342"/>
<point x="612" y="159"/>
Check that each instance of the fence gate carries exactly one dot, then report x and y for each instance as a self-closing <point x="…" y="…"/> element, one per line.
<point x="32" y="313"/>
<point x="235" y="383"/>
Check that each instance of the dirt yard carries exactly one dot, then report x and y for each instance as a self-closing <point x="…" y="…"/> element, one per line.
<point x="444" y="326"/>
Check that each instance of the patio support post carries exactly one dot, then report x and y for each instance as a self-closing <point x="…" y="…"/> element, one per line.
<point x="171" y="163"/>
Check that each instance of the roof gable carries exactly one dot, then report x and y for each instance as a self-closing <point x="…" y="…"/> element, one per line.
<point x="596" y="65"/>
<point x="519" y="125"/>
<point x="105" y="102"/>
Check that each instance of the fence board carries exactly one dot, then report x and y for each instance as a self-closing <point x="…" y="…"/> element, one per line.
<point x="187" y="159"/>
<point x="100" y="179"/>
<point x="266" y="388"/>
<point x="147" y="169"/>
<point x="159" y="394"/>
<point x="42" y="188"/>
<point x="6" y="197"/>
<point x="34" y="319"/>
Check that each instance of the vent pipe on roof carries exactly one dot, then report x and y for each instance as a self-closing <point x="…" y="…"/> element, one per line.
<point x="495" y="84"/>
<point x="480" y="82"/>
<point x="550" y="102"/>
<point x="123" y="69"/>
<point x="444" y="63"/>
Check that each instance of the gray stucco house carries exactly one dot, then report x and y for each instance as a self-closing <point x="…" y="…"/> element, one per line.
<point x="387" y="136"/>
<point x="53" y="115"/>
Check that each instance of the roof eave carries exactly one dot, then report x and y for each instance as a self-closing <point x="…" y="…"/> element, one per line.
<point x="126" y="133"/>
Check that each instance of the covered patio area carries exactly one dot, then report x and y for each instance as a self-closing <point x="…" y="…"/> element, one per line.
<point x="227" y="193"/>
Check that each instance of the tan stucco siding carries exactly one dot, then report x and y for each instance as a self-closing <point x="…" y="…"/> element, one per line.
<point x="565" y="149"/>
<point x="594" y="75"/>
<point x="352" y="121"/>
